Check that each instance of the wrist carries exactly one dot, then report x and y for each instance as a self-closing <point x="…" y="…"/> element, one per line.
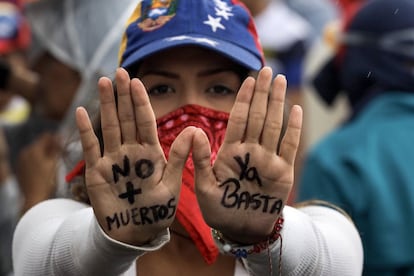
<point x="242" y="250"/>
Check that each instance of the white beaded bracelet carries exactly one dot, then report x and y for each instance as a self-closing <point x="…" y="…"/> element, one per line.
<point x="243" y="251"/>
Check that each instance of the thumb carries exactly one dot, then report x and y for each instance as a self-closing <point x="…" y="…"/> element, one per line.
<point x="179" y="151"/>
<point x="202" y="161"/>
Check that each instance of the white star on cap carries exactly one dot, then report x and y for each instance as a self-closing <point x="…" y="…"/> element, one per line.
<point x="223" y="13"/>
<point x="214" y="23"/>
<point x="222" y="5"/>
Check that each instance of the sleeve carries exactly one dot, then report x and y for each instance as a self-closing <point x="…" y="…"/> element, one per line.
<point x="62" y="237"/>
<point x="316" y="240"/>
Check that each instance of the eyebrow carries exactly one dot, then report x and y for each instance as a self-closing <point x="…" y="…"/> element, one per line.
<point x="216" y="71"/>
<point x="159" y="73"/>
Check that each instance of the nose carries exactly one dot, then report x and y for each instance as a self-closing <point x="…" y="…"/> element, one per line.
<point x="189" y="97"/>
<point x="194" y="95"/>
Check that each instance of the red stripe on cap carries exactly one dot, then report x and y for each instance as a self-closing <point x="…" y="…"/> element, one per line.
<point x="253" y="32"/>
<point x="252" y="29"/>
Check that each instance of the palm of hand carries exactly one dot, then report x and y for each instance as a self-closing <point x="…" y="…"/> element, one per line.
<point x="257" y="182"/>
<point x="133" y="190"/>
<point x="125" y="177"/>
<point x="245" y="191"/>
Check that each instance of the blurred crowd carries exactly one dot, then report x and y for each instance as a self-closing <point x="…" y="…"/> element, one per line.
<point x="52" y="54"/>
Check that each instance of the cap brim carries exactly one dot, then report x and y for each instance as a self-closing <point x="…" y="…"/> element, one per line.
<point x="236" y="53"/>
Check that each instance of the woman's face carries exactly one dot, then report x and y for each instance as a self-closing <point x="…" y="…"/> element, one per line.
<point x="189" y="75"/>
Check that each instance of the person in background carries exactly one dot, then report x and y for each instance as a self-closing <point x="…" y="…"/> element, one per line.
<point x="317" y="13"/>
<point x="284" y="35"/>
<point x="70" y="49"/>
<point x="15" y="79"/>
<point x="192" y="78"/>
<point x="66" y="53"/>
<point x="365" y="165"/>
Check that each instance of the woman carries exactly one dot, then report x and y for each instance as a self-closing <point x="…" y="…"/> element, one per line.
<point x="188" y="93"/>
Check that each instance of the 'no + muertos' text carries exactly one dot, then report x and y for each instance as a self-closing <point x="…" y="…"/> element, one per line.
<point x="143" y="169"/>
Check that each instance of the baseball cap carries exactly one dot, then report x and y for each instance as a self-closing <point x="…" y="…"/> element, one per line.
<point x="224" y="26"/>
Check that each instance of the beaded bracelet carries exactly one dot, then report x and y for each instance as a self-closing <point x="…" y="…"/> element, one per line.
<point x="243" y="251"/>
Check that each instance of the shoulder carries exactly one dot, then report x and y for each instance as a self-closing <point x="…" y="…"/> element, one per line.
<point x="58" y="204"/>
<point x="53" y="209"/>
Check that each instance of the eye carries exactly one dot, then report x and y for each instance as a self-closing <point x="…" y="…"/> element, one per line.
<point x="221" y="90"/>
<point x="160" y="90"/>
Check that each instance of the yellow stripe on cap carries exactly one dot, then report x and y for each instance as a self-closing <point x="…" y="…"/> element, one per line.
<point x="134" y="16"/>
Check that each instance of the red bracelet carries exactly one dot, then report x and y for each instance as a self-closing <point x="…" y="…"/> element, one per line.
<point x="243" y="251"/>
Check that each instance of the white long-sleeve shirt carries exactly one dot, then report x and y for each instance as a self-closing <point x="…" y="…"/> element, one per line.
<point x="62" y="237"/>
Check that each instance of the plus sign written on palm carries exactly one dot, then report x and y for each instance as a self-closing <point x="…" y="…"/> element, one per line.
<point x="130" y="193"/>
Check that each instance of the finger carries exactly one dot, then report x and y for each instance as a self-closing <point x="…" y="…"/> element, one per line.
<point x="144" y="115"/>
<point x="179" y="151"/>
<point x="89" y="141"/>
<point x="201" y="155"/>
<point x="258" y="107"/>
<point x="236" y="126"/>
<point x="125" y="107"/>
<point x="109" y="117"/>
<point x="274" y="117"/>
<point x="291" y="139"/>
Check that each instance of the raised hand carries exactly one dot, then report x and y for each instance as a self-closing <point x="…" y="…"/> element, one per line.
<point x="37" y="168"/>
<point x="132" y="189"/>
<point x="245" y="191"/>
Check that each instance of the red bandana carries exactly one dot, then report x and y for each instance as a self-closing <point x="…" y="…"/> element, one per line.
<point x="214" y="124"/>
